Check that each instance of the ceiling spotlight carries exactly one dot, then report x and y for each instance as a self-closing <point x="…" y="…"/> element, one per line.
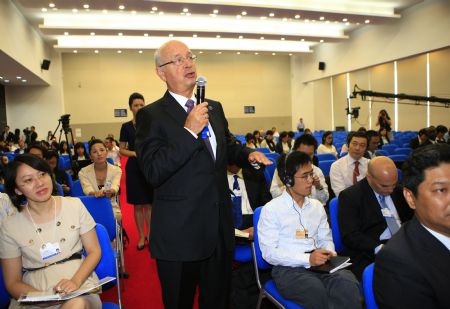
<point x="105" y="11"/>
<point x="282" y="39"/>
<point x="119" y="51"/>
<point x="121" y="7"/>
<point x="6" y="80"/>
<point x="256" y="53"/>
<point x="367" y="21"/>
<point x="238" y="16"/>
<point x="238" y="53"/>
<point x="161" y="13"/>
<point x="24" y="80"/>
<point x="284" y="19"/>
<point x="271" y="14"/>
<point x="92" y="33"/>
<point x="145" y="34"/>
<point x="133" y="12"/>
<point x="290" y="54"/>
<point x="263" y="17"/>
<point x="96" y="51"/>
<point x="52" y="5"/>
<point x="273" y="54"/>
<point x="75" y="51"/>
<point x="321" y="41"/>
<point x="66" y="33"/>
<point x="140" y="51"/>
<point x="185" y="10"/>
<point x="297" y="16"/>
<point x="74" y="11"/>
<point x="347" y="23"/>
<point x="306" y="20"/>
<point x="19" y="77"/>
<point x="261" y="38"/>
<point x="171" y="35"/>
<point x="44" y="9"/>
<point x="322" y="18"/>
<point x="344" y="20"/>
<point x="216" y="11"/>
<point x="244" y="13"/>
<point x="86" y="6"/>
<point x="120" y="34"/>
<point x="218" y="36"/>
<point x="194" y="35"/>
<point x="219" y="53"/>
<point x="303" y="40"/>
<point x="241" y="37"/>
<point x="154" y="8"/>
<point x="1" y="77"/>
<point x="200" y="52"/>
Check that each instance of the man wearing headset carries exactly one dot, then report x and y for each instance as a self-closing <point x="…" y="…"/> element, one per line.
<point x="294" y="235"/>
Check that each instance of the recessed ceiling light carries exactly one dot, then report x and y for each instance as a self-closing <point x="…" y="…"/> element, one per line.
<point x="6" y="80"/>
<point x="194" y="35"/>
<point x="218" y="36"/>
<point x="1" y="77"/>
<point x="24" y="80"/>
<point x="256" y="53"/>
<point x="213" y="15"/>
<point x="282" y="39"/>
<point x="238" y="53"/>
<point x="244" y="13"/>
<point x="92" y="33"/>
<point x="290" y="54"/>
<point x="261" y="38"/>
<point x="52" y="5"/>
<point x="161" y="13"/>
<point x="140" y="51"/>
<point x="66" y="33"/>
<point x="121" y="7"/>
<point x="216" y="11"/>
<point x="306" y="20"/>
<point x="303" y="40"/>
<point x="271" y="14"/>
<point x="105" y="11"/>
<point x="86" y="6"/>
<point x="357" y="24"/>
<point x="133" y="12"/>
<point x="145" y="34"/>
<point x="200" y="52"/>
<point x="120" y="34"/>
<point x="171" y="35"/>
<point x="273" y="54"/>
<point x="96" y="51"/>
<point x="367" y="21"/>
<point x="219" y="53"/>
<point x="241" y="37"/>
<point x="297" y="16"/>
<point x="119" y="51"/>
<point x="322" y="18"/>
<point x="74" y="11"/>
<point x="347" y="23"/>
<point x="75" y="51"/>
<point x="185" y="10"/>
<point x="263" y="17"/>
<point x="154" y="8"/>
<point x="344" y="20"/>
<point x="44" y="9"/>
<point x="321" y="41"/>
<point x="19" y="77"/>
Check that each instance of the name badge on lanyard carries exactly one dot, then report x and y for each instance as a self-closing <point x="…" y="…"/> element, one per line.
<point x="49" y="250"/>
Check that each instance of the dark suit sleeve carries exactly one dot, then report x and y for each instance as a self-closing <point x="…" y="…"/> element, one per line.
<point x="396" y="280"/>
<point x="162" y="149"/>
<point x="349" y="218"/>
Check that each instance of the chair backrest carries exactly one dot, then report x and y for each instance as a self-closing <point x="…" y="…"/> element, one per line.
<point x="343" y="154"/>
<point x="367" y="287"/>
<point x="76" y="189"/>
<point x="269" y="171"/>
<point x="60" y="189"/>
<point x="263" y="150"/>
<point x="69" y="179"/>
<point x="338" y="245"/>
<point x="64" y="162"/>
<point x="260" y="262"/>
<point x="4" y="295"/>
<point x="107" y="265"/>
<point x="403" y="151"/>
<point x="326" y="156"/>
<point x="102" y="212"/>
<point x="389" y="148"/>
<point x="273" y="155"/>
<point x="242" y="253"/>
<point x="381" y="152"/>
<point x="325" y="166"/>
<point x="398" y="157"/>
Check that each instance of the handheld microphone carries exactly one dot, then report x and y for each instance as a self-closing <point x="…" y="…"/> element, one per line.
<point x="200" y="95"/>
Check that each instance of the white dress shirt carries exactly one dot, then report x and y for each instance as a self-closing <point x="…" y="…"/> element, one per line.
<point x="341" y="173"/>
<point x="390" y="204"/>
<point x="278" y="226"/>
<point x="246" y="207"/>
<point x="324" y="149"/>
<point x="277" y="187"/>
<point x="445" y="240"/>
<point x="182" y="101"/>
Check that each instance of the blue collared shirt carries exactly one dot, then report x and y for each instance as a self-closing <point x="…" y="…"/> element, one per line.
<point x="277" y="231"/>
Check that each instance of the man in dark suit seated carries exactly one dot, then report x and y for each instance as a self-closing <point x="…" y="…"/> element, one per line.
<point x="413" y="269"/>
<point x="420" y="140"/>
<point x="249" y="191"/>
<point x="370" y="212"/>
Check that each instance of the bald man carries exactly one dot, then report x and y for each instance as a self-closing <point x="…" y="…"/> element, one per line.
<point x="192" y="232"/>
<point x="370" y="212"/>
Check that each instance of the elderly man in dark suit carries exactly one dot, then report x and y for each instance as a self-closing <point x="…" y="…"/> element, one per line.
<point x="370" y="212"/>
<point x="183" y="149"/>
<point x="413" y="270"/>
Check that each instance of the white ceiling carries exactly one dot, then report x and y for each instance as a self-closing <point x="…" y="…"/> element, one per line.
<point x="247" y="26"/>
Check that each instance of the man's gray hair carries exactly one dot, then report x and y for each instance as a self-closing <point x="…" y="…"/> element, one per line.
<point x="157" y="57"/>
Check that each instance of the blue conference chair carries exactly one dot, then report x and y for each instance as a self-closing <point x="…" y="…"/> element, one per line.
<point x="60" y="189"/>
<point x="4" y="295"/>
<point x="381" y="152"/>
<point x="273" y="155"/>
<point x="263" y="150"/>
<point x="269" y="171"/>
<point x="403" y="151"/>
<point x="269" y="289"/>
<point x="326" y="156"/>
<point x="325" y="166"/>
<point x="398" y="157"/>
<point x="390" y="148"/>
<point x="76" y="190"/>
<point x="367" y="287"/>
<point x="242" y="253"/>
<point x="338" y="245"/>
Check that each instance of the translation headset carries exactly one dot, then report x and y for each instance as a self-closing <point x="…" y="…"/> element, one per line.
<point x="288" y="177"/>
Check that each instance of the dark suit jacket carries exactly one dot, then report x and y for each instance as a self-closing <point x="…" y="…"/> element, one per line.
<point x="279" y="147"/>
<point x="414" y="143"/>
<point x="257" y="192"/>
<point x="412" y="270"/>
<point x="361" y="222"/>
<point x="8" y="138"/>
<point x="192" y="205"/>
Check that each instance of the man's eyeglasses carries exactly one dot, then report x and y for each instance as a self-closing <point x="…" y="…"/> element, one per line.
<point x="306" y="177"/>
<point x="180" y="60"/>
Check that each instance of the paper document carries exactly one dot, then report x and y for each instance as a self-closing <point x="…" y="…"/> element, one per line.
<point x="32" y="297"/>
<point x="239" y="233"/>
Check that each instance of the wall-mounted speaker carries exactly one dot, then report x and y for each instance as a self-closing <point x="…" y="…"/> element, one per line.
<point x="45" y="64"/>
<point x="321" y="66"/>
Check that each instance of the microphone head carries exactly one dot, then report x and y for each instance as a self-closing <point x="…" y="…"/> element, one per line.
<point x="201" y="81"/>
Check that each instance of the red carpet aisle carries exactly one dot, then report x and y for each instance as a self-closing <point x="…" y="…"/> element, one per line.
<point x="142" y="289"/>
